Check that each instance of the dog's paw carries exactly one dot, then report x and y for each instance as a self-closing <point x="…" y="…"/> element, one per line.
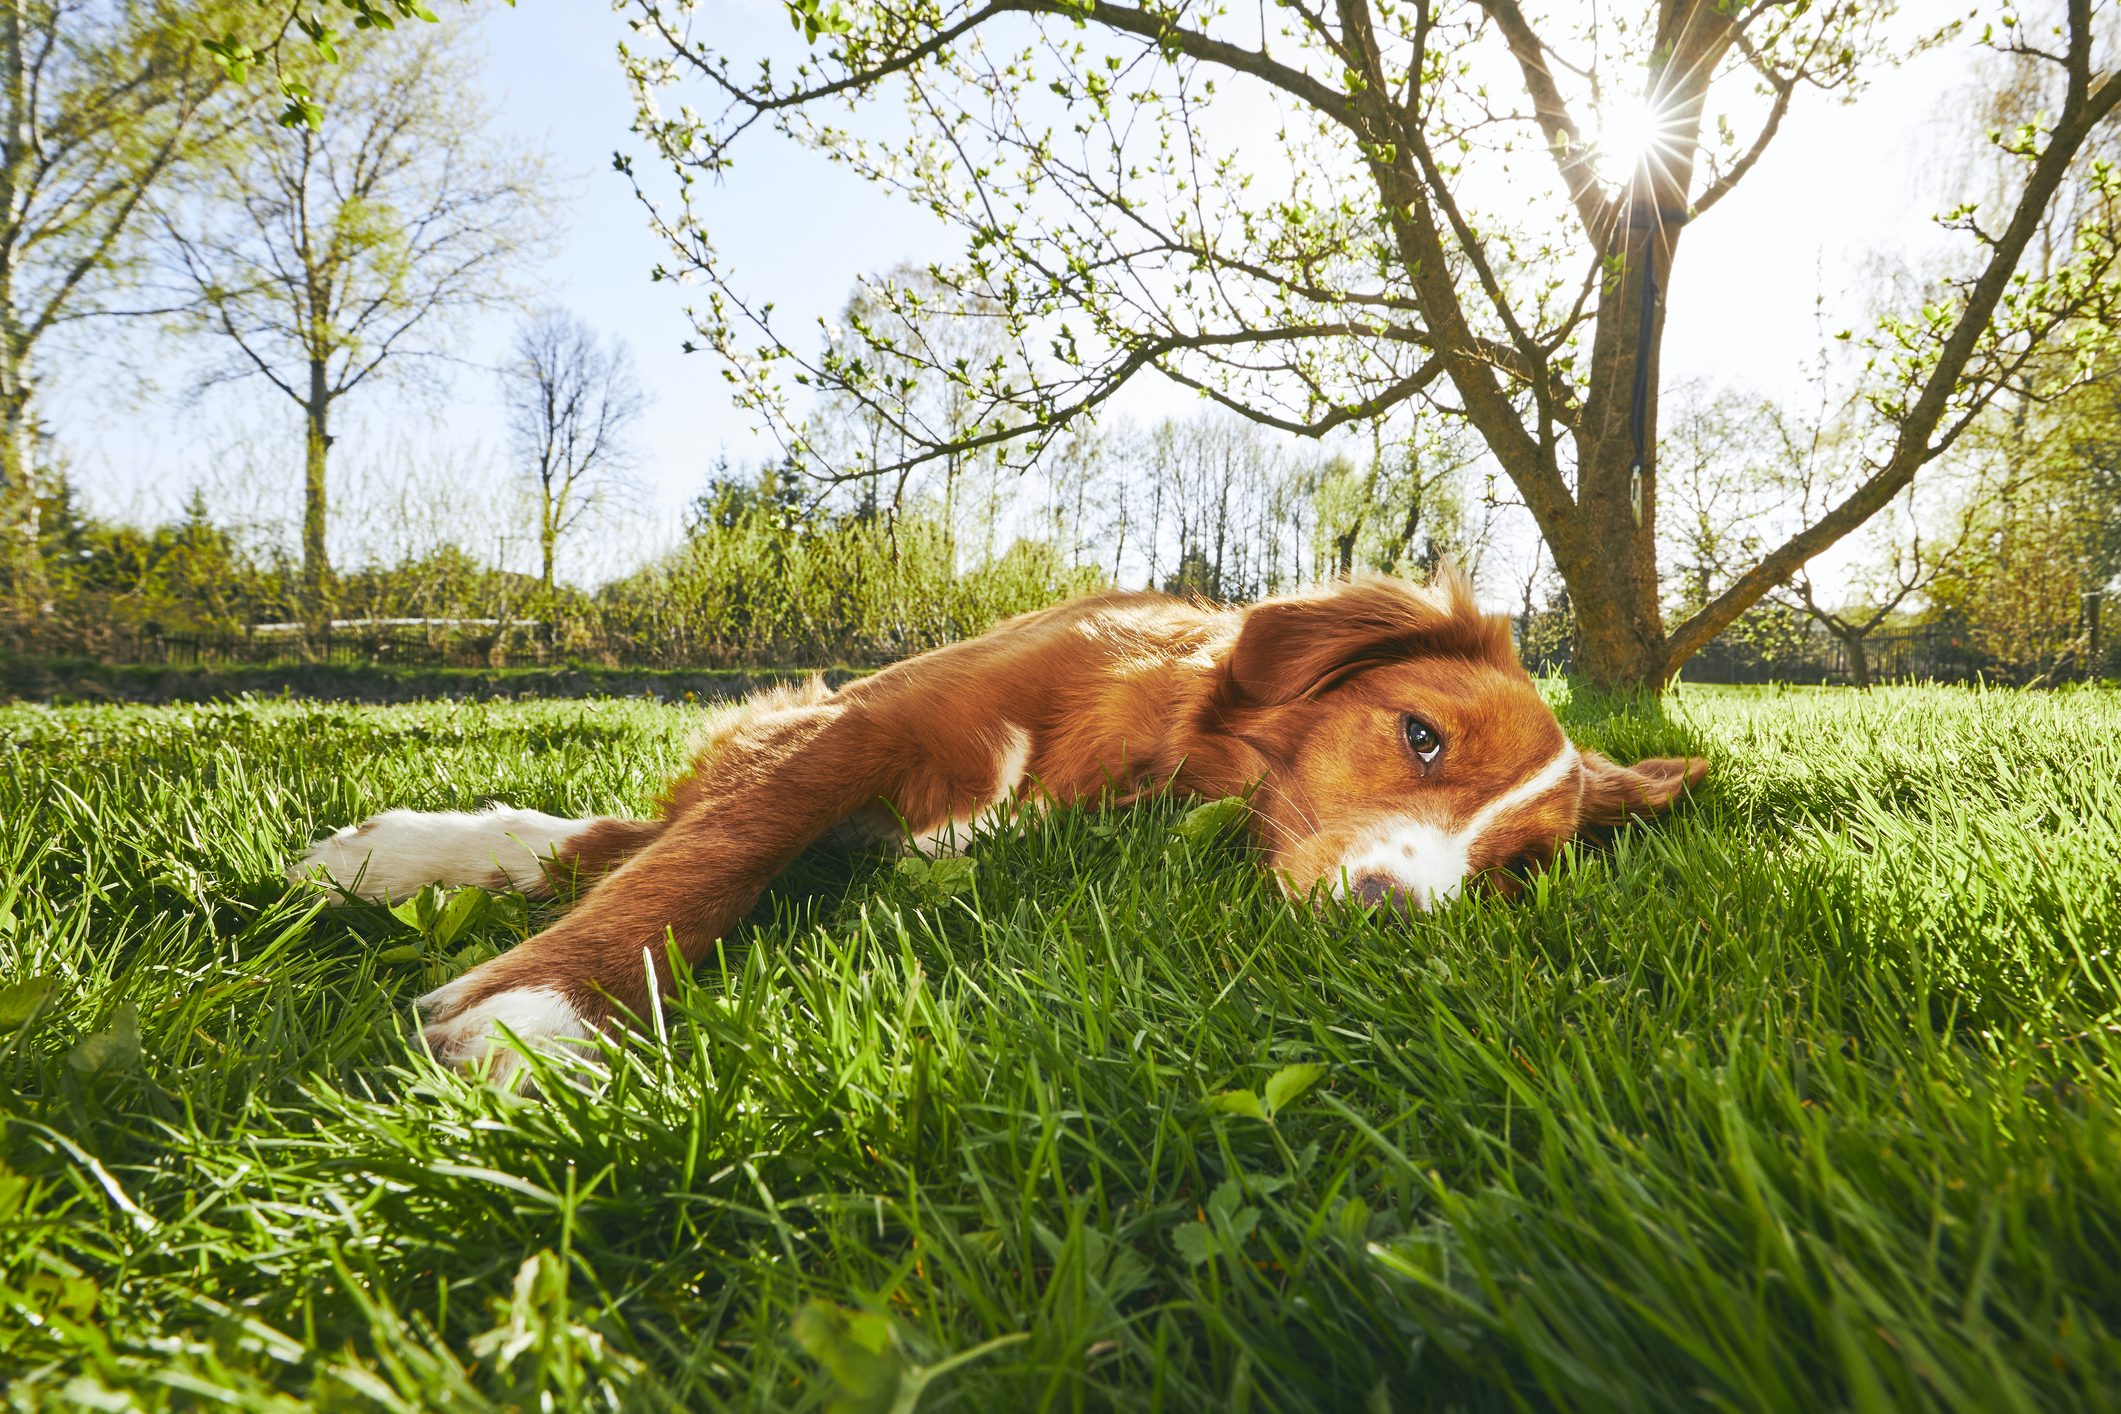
<point x="401" y="851"/>
<point x="462" y="1024"/>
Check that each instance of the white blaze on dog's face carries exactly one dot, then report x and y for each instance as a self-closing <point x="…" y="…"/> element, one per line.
<point x="1408" y="754"/>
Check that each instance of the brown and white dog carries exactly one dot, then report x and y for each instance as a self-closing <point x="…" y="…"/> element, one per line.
<point x="1391" y="746"/>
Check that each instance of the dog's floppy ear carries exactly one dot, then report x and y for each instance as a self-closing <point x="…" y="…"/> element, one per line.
<point x="1296" y="646"/>
<point x="1613" y="794"/>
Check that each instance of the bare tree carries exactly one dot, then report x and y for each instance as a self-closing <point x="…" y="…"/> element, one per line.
<point x="926" y="375"/>
<point x="1740" y="469"/>
<point x="99" y="101"/>
<point x="1399" y="245"/>
<point x="1721" y="492"/>
<point x="1910" y="543"/>
<point x="327" y="255"/>
<point x="572" y="401"/>
<point x="1401" y="507"/>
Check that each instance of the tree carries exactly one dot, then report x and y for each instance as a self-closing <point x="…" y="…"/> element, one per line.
<point x="2045" y="549"/>
<point x="1720" y="486"/>
<point x="293" y="39"/>
<point x="99" y="101"/>
<point x="1423" y="232"/>
<point x="325" y="256"/>
<point x="572" y="402"/>
<point x="1911" y="545"/>
<point x="1741" y="470"/>
<point x="112" y="580"/>
<point x="1213" y="479"/>
<point x="1400" y="509"/>
<point x="923" y="374"/>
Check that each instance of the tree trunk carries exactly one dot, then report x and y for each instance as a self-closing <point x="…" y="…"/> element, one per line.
<point x="1408" y="529"/>
<point x="20" y="557"/>
<point x="1859" y="660"/>
<point x="1602" y="532"/>
<point x="1344" y="551"/>
<point x="24" y="562"/>
<point x="1609" y="561"/>
<point x="316" y="561"/>
<point x="548" y="539"/>
<point x="950" y="471"/>
<point x="1119" y="550"/>
<point x="1608" y="557"/>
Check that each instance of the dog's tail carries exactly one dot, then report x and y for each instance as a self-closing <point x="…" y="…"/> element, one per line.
<point x="400" y="851"/>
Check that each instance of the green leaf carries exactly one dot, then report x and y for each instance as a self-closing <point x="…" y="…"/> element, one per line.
<point x="942" y="878"/>
<point x="952" y="874"/>
<point x="71" y="1296"/>
<point x="462" y="910"/>
<point x="857" y="1350"/>
<point x="410" y="952"/>
<point x="1204" y="824"/>
<point x="1237" y="1102"/>
<point x="472" y="955"/>
<point x="21" y="1001"/>
<point x="414" y="912"/>
<point x="815" y="19"/>
<point x="1195" y="1242"/>
<point x="1286" y="1084"/>
<point x="114" y="1049"/>
<point x="510" y="911"/>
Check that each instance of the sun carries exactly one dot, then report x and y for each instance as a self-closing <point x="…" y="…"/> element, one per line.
<point x="1630" y="132"/>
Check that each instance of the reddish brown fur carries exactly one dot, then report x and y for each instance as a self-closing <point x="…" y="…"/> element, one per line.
<point x="1300" y="700"/>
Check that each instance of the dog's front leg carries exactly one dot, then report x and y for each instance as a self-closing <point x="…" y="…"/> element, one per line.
<point x="769" y="795"/>
<point x="769" y="792"/>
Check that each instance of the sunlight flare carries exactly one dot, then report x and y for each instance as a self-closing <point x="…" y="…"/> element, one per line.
<point x="1631" y="132"/>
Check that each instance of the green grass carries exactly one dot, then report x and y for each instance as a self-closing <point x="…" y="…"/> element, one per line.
<point x="1804" y="1099"/>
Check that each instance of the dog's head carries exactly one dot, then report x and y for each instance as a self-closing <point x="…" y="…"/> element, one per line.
<point x="1406" y="752"/>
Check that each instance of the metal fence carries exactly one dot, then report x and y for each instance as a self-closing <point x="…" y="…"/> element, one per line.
<point x="408" y="643"/>
<point x="1921" y="654"/>
<point x="1812" y="656"/>
<point x="1807" y="655"/>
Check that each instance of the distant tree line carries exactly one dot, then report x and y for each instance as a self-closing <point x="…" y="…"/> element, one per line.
<point x="776" y="568"/>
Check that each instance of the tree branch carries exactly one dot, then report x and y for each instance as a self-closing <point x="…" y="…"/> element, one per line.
<point x="1565" y="143"/>
<point x="1383" y="401"/>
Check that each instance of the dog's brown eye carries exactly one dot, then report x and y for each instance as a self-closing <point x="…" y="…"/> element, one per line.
<point x="1423" y="741"/>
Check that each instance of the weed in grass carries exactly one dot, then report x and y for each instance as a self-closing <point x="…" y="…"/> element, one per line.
<point x="1804" y="1098"/>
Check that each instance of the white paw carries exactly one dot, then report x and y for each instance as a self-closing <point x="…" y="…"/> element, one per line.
<point x="539" y="1017"/>
<point x="401" y="851"/>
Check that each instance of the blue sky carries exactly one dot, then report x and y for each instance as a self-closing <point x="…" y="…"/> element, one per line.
<point x="1839" y="184"/>
<point x="788" y="220"/>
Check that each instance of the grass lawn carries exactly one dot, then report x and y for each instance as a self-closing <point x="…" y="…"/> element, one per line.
<point x="1805" y="1099"/>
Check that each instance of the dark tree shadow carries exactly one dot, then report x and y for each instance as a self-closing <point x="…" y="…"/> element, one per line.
<point x="1626" y="726"/>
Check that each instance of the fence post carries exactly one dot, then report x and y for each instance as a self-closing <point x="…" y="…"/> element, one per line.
<point x="2093" y="601"/>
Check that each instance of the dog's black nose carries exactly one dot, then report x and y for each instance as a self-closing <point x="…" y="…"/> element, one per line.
<point x="1377" y="890"/>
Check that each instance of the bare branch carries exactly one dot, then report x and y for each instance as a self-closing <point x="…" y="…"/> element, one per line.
<point x="1572" y="155"/>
